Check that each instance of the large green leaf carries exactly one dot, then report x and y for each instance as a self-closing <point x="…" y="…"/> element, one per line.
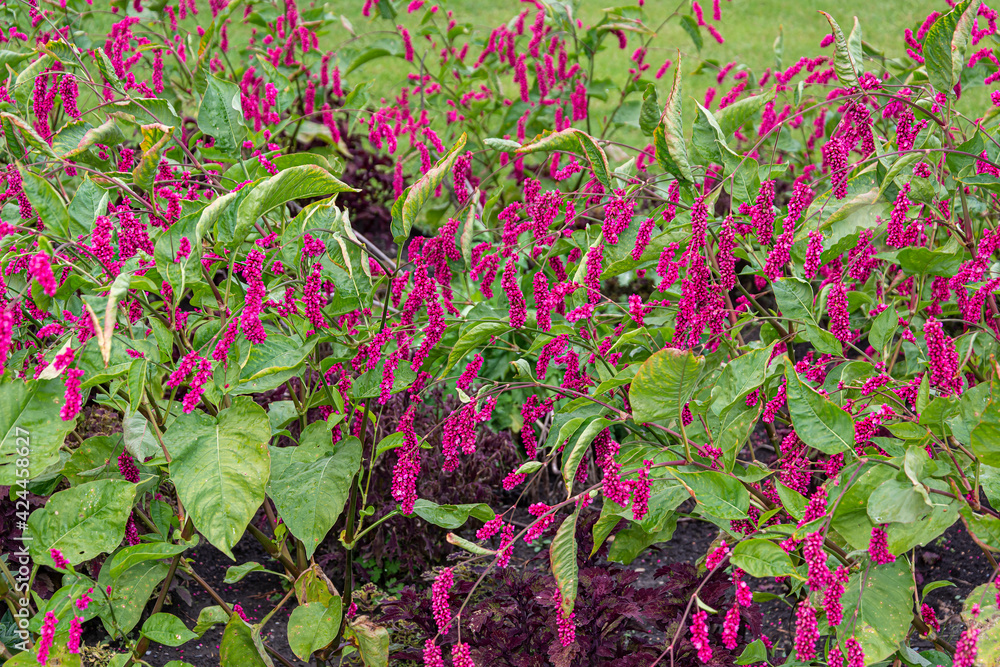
<point x="734" y="116"/>
<point x="817" y="421"/>
<point x="882" y="596"/>
<point x="312" y="626"/>
<point x="795" y="298"/>
<point x="82" y="522"/>
<point x="310" y="483"/>
<point x="46" y="202"/>
<point x="220" y="115"/>
<point x="220" y="467"/>
<point x="762" y="558"/>
<point x="167" y="629"/>
<point x="664" y="384"/>
<point x="668" y="137"/>
<point x="451" y="516"/>
<point x="140" y="553"/>
<point x="407" y="206"/>
<point x="241" y="646"/>
<point x="372" y="641"/>
<point x="740" y="376"/>
<point x="272" y="363"/>
<point x="847" y="53"/>
<point x="851" y="517"/>
<point x="562" y="558"/>
<point x="980" y="414"/>
<point x="717" y="494"/>
<point x="946" y="44"/>
<point x="130" y="592"/>
<point x="29" y="421"/>
<point x="897" y="501"/>
<point x="632" y="541"/>
<point x="307" y="180"/>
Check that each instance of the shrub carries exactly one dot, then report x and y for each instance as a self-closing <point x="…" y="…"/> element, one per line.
<point x="816" y="256"/>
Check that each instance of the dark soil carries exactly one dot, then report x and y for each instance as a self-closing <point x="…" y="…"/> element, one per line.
<point x="257" y="593"/>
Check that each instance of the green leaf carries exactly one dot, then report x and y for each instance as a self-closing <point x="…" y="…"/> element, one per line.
<point x="310" y="483"/>
<point x="820" y="423"/>
<point x="795" y="298"/>
<point x="668" y="137"/>
<point x="562" y="558"/>
<point x="740" y="112"/>
<point x="30" y="421"/>
<point x="236" y="573"/>
<point x="451" y="516"/>
<point x="465" y="544"/>
<point x="129" y="593"/>
<point x="847" y="53"/>
<point x="883" y="329"/>
<point x="632" y="541"/>
<point x="82" y="522"/>
<point x="885" y="609"/>
<point x="649" y="112"/>
<point x="307" y="180"/>
<point x="220" y="115"/>
<point x="220" y="467"/>
<point x="563" y="140"/>
<point x="981" y="414"/>
<point x="574" y="453"/>
<point x="372" y="640"/>
<point x="25" y="81"/>
<point x="154" y="140"/>
<point x="241" y="646"/>
<point x="472" y="338"/>
<point x="140" y="553"/>
<point x="272" y="363"/>
<point x="740" y="376"/>
<point x="762" y="558"/>
<point x="598" y="160"/>
<point x="920" y="261"/>
<point x="663" y="385"/>
<point x="167" y="629"/>
<point x="793" y="501"/>
<point x="108" y="133"/>
<point x="408" y="204"/>
<point x="755" y="652"/>
<point x="312" y="626"/>
<point x="720" y="495"/>
<point x="897" y="501"/>
<point x="209" y="617"/>
<point x="46" y="202"/>
<point x="946" y="44"/>
<point x="851" y="516"/>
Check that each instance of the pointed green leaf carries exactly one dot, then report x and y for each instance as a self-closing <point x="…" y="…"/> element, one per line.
<point x="307" y="180"/>
<point x="668" y="138"/>
<point x="220" y="115"/>
<point x="312" y="626"/>
<point x="663" y="385"/>
<point x="762" y="558"/>
<point x="562" y="557"/>
<point x="408" y="204"/>
<point x="220" y="466"/>
<point x="167" y="629"/>
<point x="241" y="646"/>
<point x="81" y="522"/>
<point x="820" y="423"/>
<point x="847" y="56"/>
<point x="946" y="44"/>
<point x="310" y="483"/>
<point x="29" y="419"/>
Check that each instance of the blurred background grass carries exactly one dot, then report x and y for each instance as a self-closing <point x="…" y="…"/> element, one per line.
<point x="748" y="26"/>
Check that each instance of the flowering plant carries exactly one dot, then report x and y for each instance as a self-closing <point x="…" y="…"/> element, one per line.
<point x="814" y="258"/>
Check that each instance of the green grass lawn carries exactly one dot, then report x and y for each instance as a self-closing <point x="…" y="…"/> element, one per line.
<point x="750" y="28"/>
